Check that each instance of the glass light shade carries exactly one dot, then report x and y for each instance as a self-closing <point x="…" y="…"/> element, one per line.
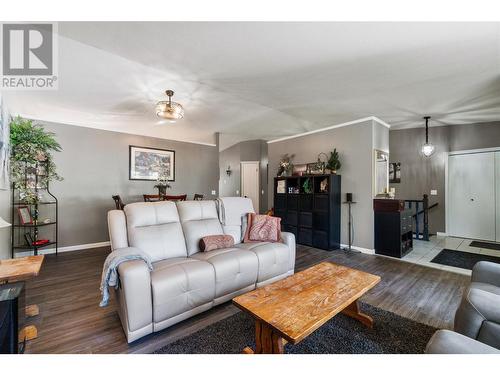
<point x="3" y="223"/>
<point x="428" y="149"/>
<point x="170" y="111"/>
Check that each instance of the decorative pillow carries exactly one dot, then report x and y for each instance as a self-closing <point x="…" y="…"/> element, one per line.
<point x="218" y="241"/>
<point x="263" y="228"/>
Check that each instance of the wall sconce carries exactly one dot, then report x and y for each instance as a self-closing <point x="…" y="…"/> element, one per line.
<point x="229" y="171"/>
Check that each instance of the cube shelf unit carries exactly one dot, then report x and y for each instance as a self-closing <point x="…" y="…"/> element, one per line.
<point x="313" y="215"/>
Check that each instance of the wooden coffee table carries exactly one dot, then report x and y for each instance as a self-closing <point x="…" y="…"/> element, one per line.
<point x="291" y="309"/>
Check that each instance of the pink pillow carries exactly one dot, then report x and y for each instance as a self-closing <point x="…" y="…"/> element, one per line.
<point x="218" y="241"/>
<point x="263" y="228"/>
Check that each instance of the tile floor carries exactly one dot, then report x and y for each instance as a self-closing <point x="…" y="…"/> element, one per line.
<point x="424" y="251"/>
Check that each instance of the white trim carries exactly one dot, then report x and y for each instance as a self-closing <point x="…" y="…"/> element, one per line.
<point x="64" y="249"/>
<point x="441" y="234"/>
<point x="73" y="123"/>
<point x="362" y="249"/>
<point x="365" y="119"/>
<point x="474" y="151"/>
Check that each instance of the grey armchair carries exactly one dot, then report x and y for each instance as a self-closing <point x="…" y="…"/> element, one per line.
<point x="477" y="320"/>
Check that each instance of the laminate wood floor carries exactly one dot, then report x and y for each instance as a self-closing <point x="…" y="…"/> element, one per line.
<point x="71" y="321"/>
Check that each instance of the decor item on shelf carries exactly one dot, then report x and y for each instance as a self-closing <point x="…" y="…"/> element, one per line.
<point x="24" y="215"/>
<point x="427" y="148"/>
<point x="394" y="173"/>
<point x="286" y="165"/>
<point x="299" y="170"/>
<point x="317" y="167"/>
<point x="28" y="239"/>
<point x="169" y="110"/>
<point x="333" y="163"/>
<point x="280" y="187"/>
<point x="31" y="148"/>
<point x="323" y="186"/>
<point x="307" y="186"/>
<point x="151" y="164"/>
<point x="229" y="171"/>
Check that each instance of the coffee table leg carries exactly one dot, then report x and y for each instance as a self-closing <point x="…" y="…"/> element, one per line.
<point x="354" y="312"/>
<point x="267" y="341"/>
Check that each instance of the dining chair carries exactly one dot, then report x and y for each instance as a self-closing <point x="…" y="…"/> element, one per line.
<point x="198" y="197"/>
<point x="175" y="197"/>
<point x="118" y="202"/>
<point x="152" y="197"/>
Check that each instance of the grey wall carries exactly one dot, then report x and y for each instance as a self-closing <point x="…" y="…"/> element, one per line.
<point x="94" y="164"/>
<point x="420" y="175"/>
<point x="254" y="150"/>
<point x="355" y="144"/>
<point x="5" y="232"/>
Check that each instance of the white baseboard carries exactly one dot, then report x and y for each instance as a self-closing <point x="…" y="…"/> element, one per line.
<point x="441" y="234"/>
<point x="362" y="249"/>
<point x="65" y="249"/>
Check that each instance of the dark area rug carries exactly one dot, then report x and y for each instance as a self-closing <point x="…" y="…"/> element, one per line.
<point x="391" y="333"/>
<point x="485" y="245"/>
<point x="462" y="259"/>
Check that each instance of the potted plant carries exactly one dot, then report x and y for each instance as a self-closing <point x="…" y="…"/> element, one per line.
<point x="162" y="184"/>
<point x="31" y="148"/>
<point x="333" y="163"/>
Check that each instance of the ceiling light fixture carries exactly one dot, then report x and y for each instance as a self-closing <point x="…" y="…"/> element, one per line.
<point x="427" y="148"/>
<point x="169" y="110"/>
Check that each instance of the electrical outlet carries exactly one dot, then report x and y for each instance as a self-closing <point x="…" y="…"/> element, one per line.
<point x="237" y="192"/>
<point x="262" y="192"/>
<point x="214" y="192"/>
<point x="434" y="192"/>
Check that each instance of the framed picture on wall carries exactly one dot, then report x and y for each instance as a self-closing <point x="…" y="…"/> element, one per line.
<point x="151" y="164"/>
<point x="394" y="173"/>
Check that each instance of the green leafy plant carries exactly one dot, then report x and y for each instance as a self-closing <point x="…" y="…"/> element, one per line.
<point x="31" y="146"/>
<point x="334" y="163"/>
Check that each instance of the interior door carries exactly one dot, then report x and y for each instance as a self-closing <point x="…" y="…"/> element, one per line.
<point x="471" y="195"/>
<point x="250" y="182"/>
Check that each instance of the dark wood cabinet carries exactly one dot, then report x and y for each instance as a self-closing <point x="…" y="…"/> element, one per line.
<point x="393" y="228"/>
<point x="309" y="207"/>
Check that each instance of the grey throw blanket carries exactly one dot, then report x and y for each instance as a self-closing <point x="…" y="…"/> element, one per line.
<point x="110" y="269"/>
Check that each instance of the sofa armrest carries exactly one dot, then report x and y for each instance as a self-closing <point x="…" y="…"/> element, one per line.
<point x="486" y="272"/>
<point x="117" y="227"/>
<point x="449" y="342"/>
<point x="135" y="294"/>
<point x="289" y="240"/>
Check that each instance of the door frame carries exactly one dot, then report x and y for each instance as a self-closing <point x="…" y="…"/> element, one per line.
<point x="446" y="183"/>
<point x="257" y="210"/>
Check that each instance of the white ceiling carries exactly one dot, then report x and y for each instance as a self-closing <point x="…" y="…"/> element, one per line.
<point x="269" y="80"/>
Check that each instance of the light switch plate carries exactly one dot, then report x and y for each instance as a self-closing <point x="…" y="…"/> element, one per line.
<point x="214" y="192"/>
<point x="434" y="192"/>
<point x="237" y="192"/>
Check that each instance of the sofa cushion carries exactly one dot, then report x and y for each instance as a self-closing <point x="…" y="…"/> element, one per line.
<point x="179" y="285"/>
<point x="273" y="258"/>
<point x="198" y="219"/>
<point x="154" y="228"/>
<point x="235" y="269"/>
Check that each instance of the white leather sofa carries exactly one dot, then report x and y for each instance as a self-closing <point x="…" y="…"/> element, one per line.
<point x="185" y="281"/>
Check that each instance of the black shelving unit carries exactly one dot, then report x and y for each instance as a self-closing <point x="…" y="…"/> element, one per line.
<point x="47" y="208"/>
<point x="312" y="214"/>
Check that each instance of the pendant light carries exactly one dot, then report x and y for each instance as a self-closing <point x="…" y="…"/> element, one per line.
<point x="427" y="148"/>
<point x="169" y="110"/>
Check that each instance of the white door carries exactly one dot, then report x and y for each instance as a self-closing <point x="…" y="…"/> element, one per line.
<point x="471" y="195"/>
<point x="250" y="182"/>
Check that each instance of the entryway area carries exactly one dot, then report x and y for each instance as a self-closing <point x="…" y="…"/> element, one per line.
<point x="448" y="253"/>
